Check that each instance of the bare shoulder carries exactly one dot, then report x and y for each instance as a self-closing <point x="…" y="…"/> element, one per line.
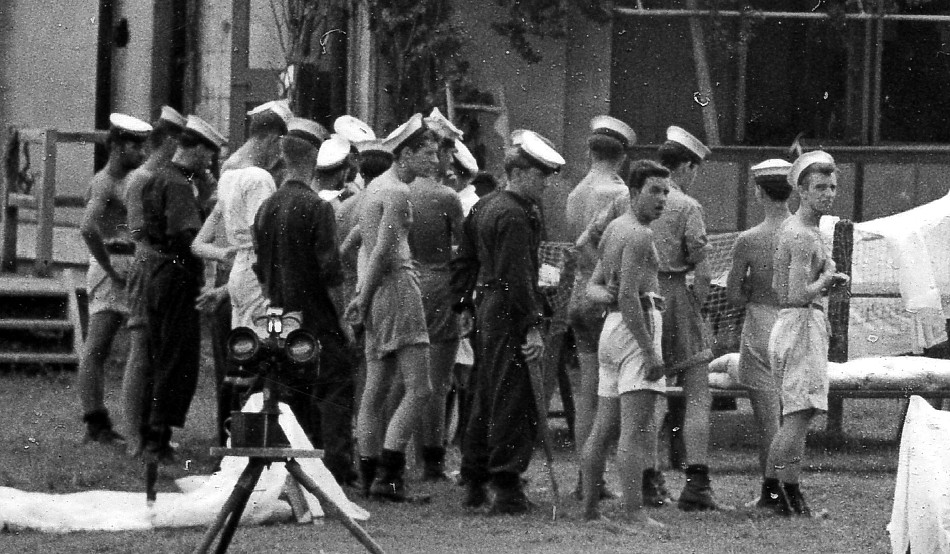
<point x="627" y="231"/>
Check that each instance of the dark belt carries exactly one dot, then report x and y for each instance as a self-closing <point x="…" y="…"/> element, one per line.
<point x="813" y="305"/>
<point x="120" y="248"/>
<point x="647" y="303"/>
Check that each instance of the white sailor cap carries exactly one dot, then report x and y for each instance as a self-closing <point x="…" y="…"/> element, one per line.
<point x="333" y="152"/>
<point x="128" y="125"/>
<point x="541" y="150"/>
<point x="307" y="130"/>
<point x="465" y="157"/>
<point x="404" y="132"/>
<point x="442" y="126"/>
<point x="352" y="129"/>
<point x="774" y="167"/>
<point x="279" y="107"/>
<point x="683" y="137"/>
<point x="804" y="161"/>
<point x="206" y="132"/>
<point x="375" y="145"/>
<point x="614" y="128"/>
<point x="172" y="116"/>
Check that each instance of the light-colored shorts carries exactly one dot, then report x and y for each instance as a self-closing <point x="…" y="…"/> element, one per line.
<point x="621" y="360"/>
<point x="247" y="298"/>
<point x="465" y="355"/>
<point x="396" y="317"/>
<point x="755" y="370"/>
<point x="104" y="294"/>
<point x="686" y="341"/>
<point x="798" y="350"/>
<point x="441" y="321"/>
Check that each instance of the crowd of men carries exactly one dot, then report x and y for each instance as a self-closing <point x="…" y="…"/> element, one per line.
<point x="407" y="264"/>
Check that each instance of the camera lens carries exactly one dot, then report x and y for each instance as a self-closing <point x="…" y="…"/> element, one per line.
<point x="243" y="344"/>
<point x="300" y="346"/>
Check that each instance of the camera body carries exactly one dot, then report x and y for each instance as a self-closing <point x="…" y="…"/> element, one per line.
<point x="269" y="360"/>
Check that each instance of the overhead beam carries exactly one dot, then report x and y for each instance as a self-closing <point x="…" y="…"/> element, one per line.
<point x="756" y="14"/>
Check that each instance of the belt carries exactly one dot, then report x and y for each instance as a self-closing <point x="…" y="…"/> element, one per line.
<point x="812" y="305"/>
<point x="121" y="248"/>
<point x="647" y="302"/>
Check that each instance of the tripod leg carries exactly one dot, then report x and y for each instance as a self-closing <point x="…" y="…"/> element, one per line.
<point x="331" y="507"/>
<point x="230" y="513"/>
<point x="151" y="477"/>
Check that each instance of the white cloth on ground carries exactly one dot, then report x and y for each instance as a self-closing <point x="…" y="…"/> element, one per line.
<point x="121" y="511"/>
<point x="920" y="517"/>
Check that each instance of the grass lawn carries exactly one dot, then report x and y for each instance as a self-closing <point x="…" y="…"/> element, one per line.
<point x="853" y="478"/>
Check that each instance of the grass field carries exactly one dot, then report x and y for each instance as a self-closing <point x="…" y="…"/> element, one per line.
<point x="851" y="477"/>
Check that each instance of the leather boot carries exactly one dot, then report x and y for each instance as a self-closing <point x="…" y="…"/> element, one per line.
<point x="99" y="428"/>
<point x="368" y="467"/>
<point x="771" y="496"/>
<point x="655" y="494"/>
<point x="697" y="495"/>
<point x="433" y="459"/>
<point x="390" y="485"/>
<point x="796" y="504"/>
<point x="509" y="495"/>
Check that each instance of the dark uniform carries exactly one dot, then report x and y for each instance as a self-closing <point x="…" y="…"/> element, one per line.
<point x="498" y="257"/>
<point x="297" y="263"/>
<point x="171" y="220"/>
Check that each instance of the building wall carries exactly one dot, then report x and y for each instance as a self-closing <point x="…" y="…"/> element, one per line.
<point x="48" y="75"/>
<point x="214" y="77"/>
<point x="131" y="77"/>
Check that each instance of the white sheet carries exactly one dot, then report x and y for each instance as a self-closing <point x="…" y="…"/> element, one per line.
<point x="197" y="505"/>
<point x="920" y="517"/>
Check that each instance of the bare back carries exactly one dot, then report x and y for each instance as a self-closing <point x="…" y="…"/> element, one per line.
<point x="106" y="210"/>
<point x="385" y="220"/>
<point x="754" y="260"/>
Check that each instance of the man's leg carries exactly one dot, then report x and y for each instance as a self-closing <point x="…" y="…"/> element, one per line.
<point x="785" y="456"/>
<point x="102" y="329"/>
<point x="133" y="386"/>
<point x="334" y="392"/>
<point x="635" y="451"/>
<point x="441" y="361"/>
<point x="413" y="368"/>
<point x="371" y="420"/>
<point x="594" y="457"/>
<point x="766" y="409"/>
<point x="697" y="494"/>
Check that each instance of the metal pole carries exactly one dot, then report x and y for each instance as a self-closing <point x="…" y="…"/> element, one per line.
<point x="878" y="60"/>
<point x="633" y="12"/>
<point x="703" y="80"/>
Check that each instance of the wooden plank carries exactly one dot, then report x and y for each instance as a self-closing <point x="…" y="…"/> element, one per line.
<point x="703" y="79"/>
<point x="8" y="212"/>
<point x="95" y="137"/>
<point x="275" y="454"/>
<point x="45" y="207"/>
<point x="38" y="358"/>
<point x="35" y="324"/>
<point x="30" y="286"/>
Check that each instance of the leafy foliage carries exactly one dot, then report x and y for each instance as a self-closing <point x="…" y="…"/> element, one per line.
<point x="545" y="19"/>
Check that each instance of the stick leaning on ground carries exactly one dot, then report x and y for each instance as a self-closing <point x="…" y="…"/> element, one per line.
<point x="537" y="386"/>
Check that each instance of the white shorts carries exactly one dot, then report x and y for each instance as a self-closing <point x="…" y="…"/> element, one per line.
<point x="798" y="351"/>
<point x="104" y="294"/>
<point x="621" y="360"/>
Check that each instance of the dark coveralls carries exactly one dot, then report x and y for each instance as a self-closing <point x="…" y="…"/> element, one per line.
<point x="171" y="221"/>
<point x="297" y="263"/>
<point x="498" y="256"/>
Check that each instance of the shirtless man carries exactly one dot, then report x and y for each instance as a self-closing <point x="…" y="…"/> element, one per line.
<point x="106" y="233"/>
<point x="162" y="143"/>
<point x="437" y="220"/>
<point x="389" y="304"/>
<point x="750" y="285"/>
<point x="630" y="355"/>
<point x="798" y="346"/>
<point x="607" y="144"/>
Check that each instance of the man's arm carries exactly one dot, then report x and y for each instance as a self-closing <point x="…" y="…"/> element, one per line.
<point x="597" y="289"/>
<point x="634" y="261"/>
<point x="89" y="227"/>
<point x="802" y="289"/>
<point x="203" y="246"/>
<point x="735" y="285"/>
<point x="395" y="206"/>
<point x="513" y="265"/>
<point x="696" y="247"/>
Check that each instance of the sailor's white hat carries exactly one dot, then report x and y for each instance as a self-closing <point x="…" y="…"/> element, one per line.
<point x="353" y="129"/>
<point x="774" y="167"/>
<point x="614" y="128"/>
<point x="442" y="126"/>
<point x="129" y="125"/>
<point x="541" y="150"/>
<point x="683" y="137"/>
<point x="465" y="157"/>
<point x="206" y="131"/>
<point x="171" y="115"/>
<point x="804" y="161"/>
<point x="404" y="132"/>
<point x="305" y="129"/>
<point x="279" y="107"/>
<point x="333" y="152"/>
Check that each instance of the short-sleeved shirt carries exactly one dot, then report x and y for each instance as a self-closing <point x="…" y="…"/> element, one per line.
<point x="297" y="256"/>
<point x="680" y="233"/>
<point x="436" y="210"/>
<point x="240" y="194"/>
<point x="171" y="213"/>
<point x="499" y="251"/>
<point x="135" y="183"/>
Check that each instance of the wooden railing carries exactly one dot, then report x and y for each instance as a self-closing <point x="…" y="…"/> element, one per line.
<point x="22" y="190"/>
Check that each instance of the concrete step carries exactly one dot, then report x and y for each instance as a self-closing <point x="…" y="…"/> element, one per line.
<point x="38" y="358"/>
<point x="16" y="285"/>
<point x="30" y="324"/>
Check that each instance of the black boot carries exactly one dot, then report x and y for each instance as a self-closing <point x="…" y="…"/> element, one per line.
<point x="771" y="497"/>
<point x="367" y="473"/>
<point x="390" y="485"/>
<point x="655" y="494"/>
<point x="341" y="468"/>
<point x="509" y="495"/>
<point x="157" y="445"/>
<point x="99" y="428"/>
<point x="433" y="458"/>
<point x="697" y="495"/>
<point x="794" y="501"/>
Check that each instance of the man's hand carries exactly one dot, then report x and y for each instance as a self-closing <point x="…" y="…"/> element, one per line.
<point x="533" y="346"/>
<point x="466" y="323"/>
<point x="355" y="312"/>
<point x="210" y="300"/>
<point x="119" y="280"/>
<point x="655" y="369"/>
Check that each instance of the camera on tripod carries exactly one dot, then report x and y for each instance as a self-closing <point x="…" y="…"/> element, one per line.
<point x="270" y="360"/>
